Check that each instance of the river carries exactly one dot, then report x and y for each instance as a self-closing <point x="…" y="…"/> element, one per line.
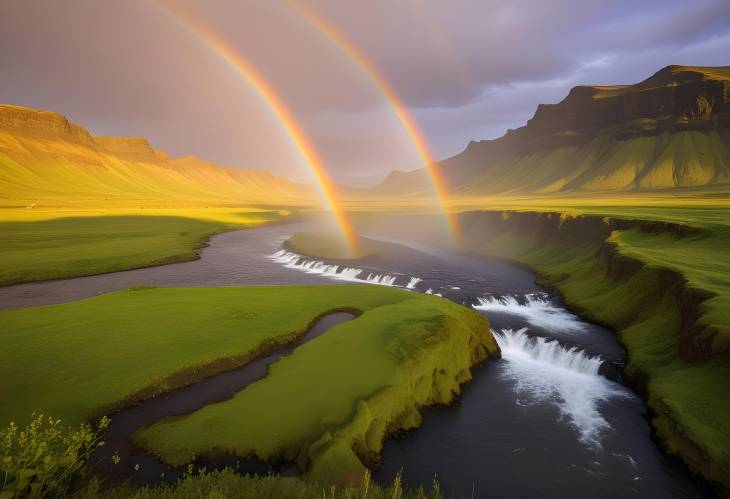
<point x="549" y="419"/>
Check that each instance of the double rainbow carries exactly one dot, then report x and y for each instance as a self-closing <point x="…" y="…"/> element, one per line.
<point x="438" y="180"/>
<point x="250" y="74"/>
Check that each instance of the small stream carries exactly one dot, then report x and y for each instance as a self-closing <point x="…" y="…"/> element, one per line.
<point x="548" y="419"/>
<point x="143" y="468"/>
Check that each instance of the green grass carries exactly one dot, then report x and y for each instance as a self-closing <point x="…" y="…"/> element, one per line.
<point x="323" y="245"/>
<point x="703" y="261"/>
<point x="73" y="360"/>
<point x="227" y="483"/>
<point x="330" y="245"/>
<point x="87" y="245"/>
<point x="687" y="393"/>
<point x="604" y="164"/>
<point x="329" y="404"/>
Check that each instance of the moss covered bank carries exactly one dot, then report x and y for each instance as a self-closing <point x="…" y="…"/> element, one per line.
<point x="330" y="404"/>
<point x="657" y="285"/>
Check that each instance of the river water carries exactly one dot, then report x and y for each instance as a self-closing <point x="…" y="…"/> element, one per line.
<point x="548" y="419"/>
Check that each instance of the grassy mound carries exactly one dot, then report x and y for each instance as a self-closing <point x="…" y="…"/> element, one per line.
<point x="329" y="245"/>
<point x="330" y="404"/>
<point x="39" y="246"/>
<point x="78" y="359"/>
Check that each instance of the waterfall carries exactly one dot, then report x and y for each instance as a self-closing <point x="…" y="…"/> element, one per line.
<point x="547" y="351"/>
<point x="412" y="283"/>
<point x="351" y="274"/>
<point x="537" y="310"/>
<point x="382" y="279"/>
<point x="542" y="371"/>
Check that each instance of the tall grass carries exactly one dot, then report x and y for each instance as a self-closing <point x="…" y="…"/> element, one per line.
<point x="47" y="459"/>
<point x="226" y="483"/>
<point x="43" y="458"/>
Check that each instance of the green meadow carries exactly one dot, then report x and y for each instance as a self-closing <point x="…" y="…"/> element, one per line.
<point x="41" y="246"/>
<point x="339" y="394"/>
<point x="331" y="403"/>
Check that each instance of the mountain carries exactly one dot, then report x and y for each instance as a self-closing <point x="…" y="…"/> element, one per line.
<point x="670" y="131"/>
<point x="45" y="158"/>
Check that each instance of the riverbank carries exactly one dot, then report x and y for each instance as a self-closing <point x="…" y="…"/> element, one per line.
<point x="664" y="287"/>
<point x="42" y="244"/>
<point x="405" y="351"/>
<point x="119" y="348"/>
<point x="329" y="406"/>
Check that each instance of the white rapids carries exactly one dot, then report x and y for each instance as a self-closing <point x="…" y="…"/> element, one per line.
<point x="545" y="371"/>
<point x="536" y="309"/>
<point x="338" y="272"/>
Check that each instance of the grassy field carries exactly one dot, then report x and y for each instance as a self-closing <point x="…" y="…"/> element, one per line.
<point x="701" y="260"/>
<point x="78" y="360"/>
<point x="73" y="360"/>
<point x="344" y="391"/>
<point x="50" y="244"/>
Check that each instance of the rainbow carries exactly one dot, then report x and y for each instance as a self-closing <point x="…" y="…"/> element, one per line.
<point x="248" y="72"/>
<point x="440" y="184"/>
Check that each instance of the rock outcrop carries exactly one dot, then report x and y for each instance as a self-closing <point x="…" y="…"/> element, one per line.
<point x="670" y="131"/>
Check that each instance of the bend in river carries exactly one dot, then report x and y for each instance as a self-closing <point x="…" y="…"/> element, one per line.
<point x="541" y="421"/>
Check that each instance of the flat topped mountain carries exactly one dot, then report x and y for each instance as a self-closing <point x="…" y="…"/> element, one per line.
<point x="669" y="131"/>
<point x="137" y="148"/>
<point x="46" y="158"/>
<point x="674" y="98"/>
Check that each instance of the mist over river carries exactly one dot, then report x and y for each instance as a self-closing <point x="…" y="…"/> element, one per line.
<point x="548" y="419"/>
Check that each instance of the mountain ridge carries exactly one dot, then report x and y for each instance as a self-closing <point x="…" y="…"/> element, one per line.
<point x="46" y="158"/>
<point x="670" y="130"/>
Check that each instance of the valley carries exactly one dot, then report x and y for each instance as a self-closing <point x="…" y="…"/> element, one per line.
<point x="561" y="314"/>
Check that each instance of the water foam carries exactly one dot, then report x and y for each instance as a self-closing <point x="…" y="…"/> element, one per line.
<point x="537" y="310"/>
<point x="339" y="272"/>
<point x="542" y="371"/>
<point x="412" y="283"/>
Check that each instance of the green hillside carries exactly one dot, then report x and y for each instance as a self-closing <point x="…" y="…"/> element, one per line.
<point x="671" y="131"/>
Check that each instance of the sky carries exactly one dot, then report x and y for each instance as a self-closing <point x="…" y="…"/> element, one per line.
<point x="465" y="70"/>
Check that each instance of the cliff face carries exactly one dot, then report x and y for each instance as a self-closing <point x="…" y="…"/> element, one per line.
<point x="45" y="158"/>
<point x="661" y="286"/>
<point x="19" y="120"/>
<point x="674" y="99"/>
<point x="670" y="131"/>
<point x="678" y="348"/>
<point x="134" y="148"/>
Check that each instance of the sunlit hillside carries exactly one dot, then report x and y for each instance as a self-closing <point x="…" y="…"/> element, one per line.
<point x="48" y="161"/>
<point x="671" y="131"/>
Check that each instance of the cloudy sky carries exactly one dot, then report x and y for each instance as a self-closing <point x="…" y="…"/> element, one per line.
<point x="465" y="69"/>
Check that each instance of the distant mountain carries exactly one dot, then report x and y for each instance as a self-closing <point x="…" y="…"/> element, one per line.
<point x="44" y="158"/>
<point x="670" y="131"/>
